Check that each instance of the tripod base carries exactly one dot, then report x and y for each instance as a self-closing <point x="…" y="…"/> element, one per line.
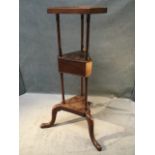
<point x="75" y="105"/>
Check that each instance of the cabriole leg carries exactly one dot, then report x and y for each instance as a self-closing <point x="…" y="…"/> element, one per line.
<point x="91" y="131"/>
<point x="55" y="109"/>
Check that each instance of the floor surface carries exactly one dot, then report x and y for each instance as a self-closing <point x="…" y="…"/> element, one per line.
<point x="114" y="127"/>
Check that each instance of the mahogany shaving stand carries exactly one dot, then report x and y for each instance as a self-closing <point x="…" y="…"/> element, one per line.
<point x="77" y="63"/>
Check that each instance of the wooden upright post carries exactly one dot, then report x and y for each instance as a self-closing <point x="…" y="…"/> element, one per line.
<point x="82" y="46"/>
<point x="60" y="54"/>
<point x="87" y="57"/>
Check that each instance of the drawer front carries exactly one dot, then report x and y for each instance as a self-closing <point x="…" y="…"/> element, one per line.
<point x="74" y="67"/>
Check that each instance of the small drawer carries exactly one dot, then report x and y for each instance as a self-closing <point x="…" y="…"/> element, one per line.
<point x="81" y="68"/>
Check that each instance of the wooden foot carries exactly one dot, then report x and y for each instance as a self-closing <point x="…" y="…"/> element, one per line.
<point x="55" y="109"/>
<point x="91" y="131"/>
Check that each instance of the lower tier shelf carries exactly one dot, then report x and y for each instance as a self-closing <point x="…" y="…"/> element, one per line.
<point x="75" y="105"/>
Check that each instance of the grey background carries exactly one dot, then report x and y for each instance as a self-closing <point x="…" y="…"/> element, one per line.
<point x="111" y="47"/>
<point x="22" y="89"/>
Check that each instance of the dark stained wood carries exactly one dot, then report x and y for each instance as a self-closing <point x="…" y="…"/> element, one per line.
<point x="87" y="37"/>
<point x="77" y="10"/>
<point x="62" y="87"/>
<point x="55" y="109"/>
<point x="75" y="105"/>
<point x="58" y="34"/>
<point x="86" y="93"/>
<point x="91" y="130"/>
<point x="77" y="63"/>
<point x="82" y="46"/>
<point x="82" y="86"/>
<point x="60" y="54"/>
<point x="82" y="31"/>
